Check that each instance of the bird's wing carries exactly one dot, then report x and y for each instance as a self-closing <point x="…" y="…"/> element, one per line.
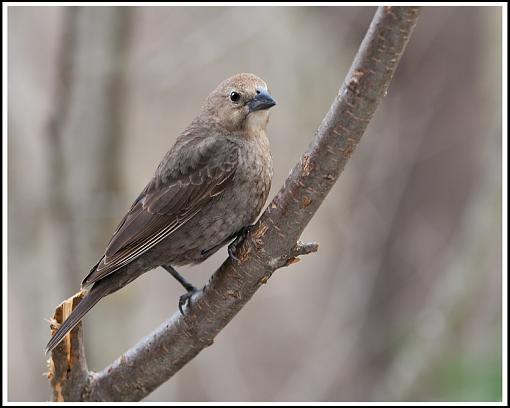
<point x="175" y="195"/>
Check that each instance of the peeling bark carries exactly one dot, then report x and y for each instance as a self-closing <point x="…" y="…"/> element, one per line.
<point x="67" y="365"/>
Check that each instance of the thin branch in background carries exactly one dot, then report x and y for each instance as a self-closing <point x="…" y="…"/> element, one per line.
<point x="96" y="114"/>
<point x="272" y="243"/>
<point x="58" y="206"/>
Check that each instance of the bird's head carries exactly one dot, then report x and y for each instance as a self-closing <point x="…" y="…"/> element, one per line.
<point x="240" y="102"/>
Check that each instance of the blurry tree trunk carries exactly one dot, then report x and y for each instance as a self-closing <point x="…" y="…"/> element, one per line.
<point x="89" y="103"/>
<point x="59" y="206"/>
<point x="270" y="245"/>
<point x="415" y="190"/>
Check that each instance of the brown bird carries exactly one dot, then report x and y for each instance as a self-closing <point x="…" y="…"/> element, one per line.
<point x="206" y="191"/>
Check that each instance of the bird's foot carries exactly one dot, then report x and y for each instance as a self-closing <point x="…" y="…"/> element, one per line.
<point x="186" y="298"/>
<point x="240" y="236"/>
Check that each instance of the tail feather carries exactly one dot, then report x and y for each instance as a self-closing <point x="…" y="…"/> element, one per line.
<point x="96" y="293"/>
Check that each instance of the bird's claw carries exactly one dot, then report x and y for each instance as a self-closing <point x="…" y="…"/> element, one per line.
<point x="186" y="299"/>
<point x="231" y="249"/>
<point x="241" y="235"/>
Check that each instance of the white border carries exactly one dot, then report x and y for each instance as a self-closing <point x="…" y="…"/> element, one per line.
<point x="250" y="3"/>
<point x="504" y="6"/>
<point x="4" y="204"/>
<point x="504" y="208"/>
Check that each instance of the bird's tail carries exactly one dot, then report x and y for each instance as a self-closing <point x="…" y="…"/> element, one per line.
<point x="95" y="294"/>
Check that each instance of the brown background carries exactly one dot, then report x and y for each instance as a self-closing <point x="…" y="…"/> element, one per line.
<point x="403" y="300"/>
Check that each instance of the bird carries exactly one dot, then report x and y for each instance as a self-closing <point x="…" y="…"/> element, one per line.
<point x="206" y="192"/>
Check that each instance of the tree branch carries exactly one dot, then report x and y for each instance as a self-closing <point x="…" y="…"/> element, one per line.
<point x="271" y="244"/>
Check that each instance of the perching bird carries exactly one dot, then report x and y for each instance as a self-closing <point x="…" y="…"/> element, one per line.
<point x="206" y="191"/>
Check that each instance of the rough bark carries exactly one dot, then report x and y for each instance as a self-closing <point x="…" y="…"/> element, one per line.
<point x="271" y="244"/>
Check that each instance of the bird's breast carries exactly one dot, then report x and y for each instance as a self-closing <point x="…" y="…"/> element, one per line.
<point x="255" y="171"/>
<point x="236" y="207"/>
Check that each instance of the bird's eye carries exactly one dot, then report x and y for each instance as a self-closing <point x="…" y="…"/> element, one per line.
<point x="234" y="96"/>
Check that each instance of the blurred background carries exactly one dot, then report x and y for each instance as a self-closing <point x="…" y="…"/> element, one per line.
<point x="403" y="299"/>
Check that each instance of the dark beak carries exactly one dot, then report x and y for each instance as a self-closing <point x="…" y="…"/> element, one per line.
<point x="262" y="101"/>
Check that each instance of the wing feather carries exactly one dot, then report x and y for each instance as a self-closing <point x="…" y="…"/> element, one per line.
<point x="175" y="195"/>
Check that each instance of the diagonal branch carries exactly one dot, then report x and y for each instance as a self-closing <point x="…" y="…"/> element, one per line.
<point x="271" y="244"/>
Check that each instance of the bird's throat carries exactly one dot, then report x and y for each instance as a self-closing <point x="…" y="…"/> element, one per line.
<point x="257" y="121"/>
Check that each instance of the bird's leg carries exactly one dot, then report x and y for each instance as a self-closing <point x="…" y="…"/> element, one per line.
<point x="186" y="298"/>
<point x="240" y="236"/>
<point x="188" y="286"/>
